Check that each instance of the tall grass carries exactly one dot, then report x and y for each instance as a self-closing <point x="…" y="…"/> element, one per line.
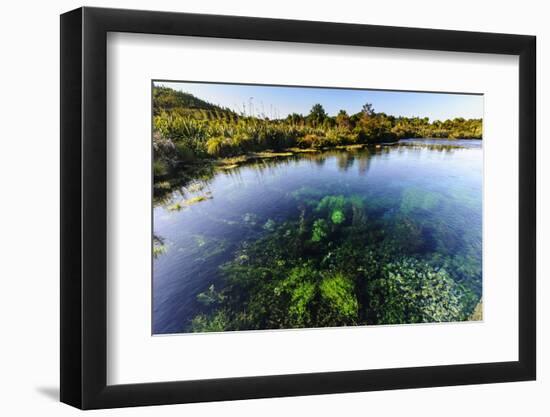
<point x="184" y="138"/>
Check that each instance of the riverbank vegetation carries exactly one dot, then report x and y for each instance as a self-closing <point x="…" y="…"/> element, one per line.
<point x="188" y="130"/>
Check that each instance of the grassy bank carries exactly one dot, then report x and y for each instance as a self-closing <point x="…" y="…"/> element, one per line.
<point x="188" y="130"/>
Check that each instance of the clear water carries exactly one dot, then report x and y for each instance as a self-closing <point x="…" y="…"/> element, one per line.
<point x="436" y="184"/>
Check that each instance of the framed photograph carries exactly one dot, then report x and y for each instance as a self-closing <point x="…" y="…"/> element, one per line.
<point x="256" y="208"/>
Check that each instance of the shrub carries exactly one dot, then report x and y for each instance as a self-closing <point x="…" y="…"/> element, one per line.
<point x="160" y="168"/>
<point x="185" y="154"/>
<point x="310" y="140"/>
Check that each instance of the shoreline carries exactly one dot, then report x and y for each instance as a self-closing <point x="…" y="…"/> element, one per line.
<point x="187" y="172"/>
<point x="236" y="161"/>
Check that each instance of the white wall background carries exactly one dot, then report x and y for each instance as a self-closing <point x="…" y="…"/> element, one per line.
<point x="29" y="219"/>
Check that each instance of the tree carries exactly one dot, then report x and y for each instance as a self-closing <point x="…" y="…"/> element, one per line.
<point x="343" y="120"/>
<point x="295" y="119"/>
<point x="367" y="110"/>
<point x="317" y="114"/>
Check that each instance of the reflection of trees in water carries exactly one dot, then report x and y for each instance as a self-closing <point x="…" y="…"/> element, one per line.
<point x="261" y="168"/>
<point x="364" y="164"/>
<point x="190" y="179"/>
<point x="345" y="158"/>
<point x="158" y="240"/>
<point x="320" y="161"/>
<point x="181" y="189"/>
<point x="345" y="161"/>
<point x="438" y="147"/>
<point x="194" y="177"/>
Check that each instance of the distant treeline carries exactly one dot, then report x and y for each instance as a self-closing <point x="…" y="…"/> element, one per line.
<point x="188" y="129"/>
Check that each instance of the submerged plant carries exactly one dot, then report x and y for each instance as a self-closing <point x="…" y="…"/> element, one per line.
<point x="337" y="216"/>
<point x="210" y="296"/>
<point x="339" y="302"/>
<point x="331" y="203"/>
<point x="417" y="198"/>
<point x="319" y="230"/>
<point x="409" y="291"/>
<point x="270" y="225"/>
<point x="213" y="323"/>
<point x="289" y="279"/>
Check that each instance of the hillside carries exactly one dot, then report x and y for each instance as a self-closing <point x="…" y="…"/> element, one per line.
<point x="184" y="104"/>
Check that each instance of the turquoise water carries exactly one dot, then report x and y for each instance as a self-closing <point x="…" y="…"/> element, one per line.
<point x="419" y="198"/>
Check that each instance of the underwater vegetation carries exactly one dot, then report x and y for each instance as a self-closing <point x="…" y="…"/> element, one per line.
<point x="338" y="264"/>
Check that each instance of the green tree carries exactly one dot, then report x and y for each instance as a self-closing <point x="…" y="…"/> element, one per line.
<point x="367" y="110"/>
<point x="295" y="119"/>
<point x="343" y="120"/>
<point x="317" y="115"/>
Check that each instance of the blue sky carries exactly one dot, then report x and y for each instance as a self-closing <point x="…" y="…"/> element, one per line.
<point x="281" y="101"/>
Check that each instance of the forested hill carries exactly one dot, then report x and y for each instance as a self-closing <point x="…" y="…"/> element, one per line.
<point x="166" y="99"/>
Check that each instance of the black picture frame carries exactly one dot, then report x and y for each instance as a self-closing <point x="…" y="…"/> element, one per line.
<point x="84" y="207"/>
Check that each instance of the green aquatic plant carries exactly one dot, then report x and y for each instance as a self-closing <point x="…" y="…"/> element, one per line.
<point x="204" y="248"/>
<point x="408" y="235"/>
<point x="339" y="207"/>
<point x="283" y="281"/>
<point x="339" y="303"/>
<point x="319" y="230"/>
<point x="358" y="218"/>
<point x="337" y="216"/>
<point x="209" y="248"/>
<point x="301" y="298"/>
<point x="201" y="240"/>
<point x="308" y="196"/>
<point x="210" y="296"/>
<point x="210" y="323"/>
<point x="250" y="219"/>
<point x="466" y="269"/>
<point x="410" y="291"/>
<point x="300" y="289"/>
<point x="417" y="198"/>
<point x="269" y="225"/>
<point x="334" y="206"/>
<point x="356" y="201"/>
<point x="331" y="203"/>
